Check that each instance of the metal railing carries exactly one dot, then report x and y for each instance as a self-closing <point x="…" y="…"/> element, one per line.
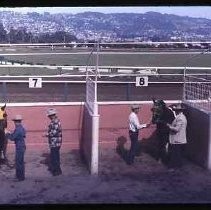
<point x="197" y="92"/>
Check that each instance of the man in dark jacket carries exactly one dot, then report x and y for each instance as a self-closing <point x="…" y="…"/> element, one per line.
<point x="18" y="136"/>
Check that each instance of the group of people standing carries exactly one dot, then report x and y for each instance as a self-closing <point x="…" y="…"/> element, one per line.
<point x="54" y="135"/>
<point x="170" y="132"/>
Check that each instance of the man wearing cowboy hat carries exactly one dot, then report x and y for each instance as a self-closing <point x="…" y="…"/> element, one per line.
<point x="134" y="127"/>
<point x="177" y="137"/>
<point x="55" y="141"/>
<point x="18" y="136"/>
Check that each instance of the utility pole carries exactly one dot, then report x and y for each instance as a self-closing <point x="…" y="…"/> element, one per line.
<point x="64" y="42"/>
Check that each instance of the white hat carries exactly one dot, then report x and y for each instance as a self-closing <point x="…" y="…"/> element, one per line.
<point x="178" y="107"/>
<point x="51" y="111"/>
<point x="17" y="117"/>
<point x="135" y="106"/>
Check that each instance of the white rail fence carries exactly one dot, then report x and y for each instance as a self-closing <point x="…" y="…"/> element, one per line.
<point x="104" y="43"/>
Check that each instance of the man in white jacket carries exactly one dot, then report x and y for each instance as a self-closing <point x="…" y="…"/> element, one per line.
<point x="177" y="137"/>
<point x="134" y="127"/>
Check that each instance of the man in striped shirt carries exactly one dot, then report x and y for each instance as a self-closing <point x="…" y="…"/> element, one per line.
<point x="55" y="141"/>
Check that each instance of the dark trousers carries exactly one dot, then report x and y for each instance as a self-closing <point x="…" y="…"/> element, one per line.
<point x="133" y="146"/>
<point x="163" y="139"/>
<point x="175" y="155"/>
<point x="19" y="164"/>
<point x="2" y="140"/>
<point x="55" y="160"/>
<point x="5" y="149"/>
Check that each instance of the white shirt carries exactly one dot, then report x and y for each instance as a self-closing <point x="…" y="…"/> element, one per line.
<point x="134" y="124"/>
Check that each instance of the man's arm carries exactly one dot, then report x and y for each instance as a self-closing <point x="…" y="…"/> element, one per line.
<point x="138" y="125"/>
<point x="177" y="127"/>
<point x="14" y="135"/>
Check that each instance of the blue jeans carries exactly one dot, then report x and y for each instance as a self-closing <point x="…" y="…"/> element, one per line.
<point x="55" y="160"/>
<point x="19" y="163"/>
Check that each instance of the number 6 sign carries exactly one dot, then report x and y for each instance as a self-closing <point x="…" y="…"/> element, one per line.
<point x="35" y="82"/>
<point x="141" y="81"/>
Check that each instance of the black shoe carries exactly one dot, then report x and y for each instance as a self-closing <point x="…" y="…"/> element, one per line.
<point x="129" y="162"/>
<point x="19" y="179"/>
<point x="57" y="173"/>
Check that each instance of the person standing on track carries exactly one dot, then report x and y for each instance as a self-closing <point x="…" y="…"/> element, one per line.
<point x="177" y="138"/>
<point x="18" y="136"/>
<point x="54" y="135"/>
<point x="134" y="127"/>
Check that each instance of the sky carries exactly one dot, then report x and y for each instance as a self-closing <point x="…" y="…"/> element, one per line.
<point x="191" y="11"/>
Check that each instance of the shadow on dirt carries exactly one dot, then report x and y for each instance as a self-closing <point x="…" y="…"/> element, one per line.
<point x="45" y="161"/>
<point x="146" y="145"/>
<point x="2" y="161"/>
<point x="6" y="162"/>
<point x="72" y="159"/>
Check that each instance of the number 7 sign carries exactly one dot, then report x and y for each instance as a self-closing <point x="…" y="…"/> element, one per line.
<point x="35" y="82"/>
<point x="141" y="81"/>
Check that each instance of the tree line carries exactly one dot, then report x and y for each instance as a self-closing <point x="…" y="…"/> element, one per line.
<point x="20" y="35"/>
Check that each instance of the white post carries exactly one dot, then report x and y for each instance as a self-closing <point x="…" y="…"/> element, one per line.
<point x="184" y="85"/>
<point x="209" y="146"/>
<point x="96" y="75"/>
<point x="87" y="63"/>
<point x="95" y="125"/>
<point x="64" y="42"/>
<point x="95" y="137"/>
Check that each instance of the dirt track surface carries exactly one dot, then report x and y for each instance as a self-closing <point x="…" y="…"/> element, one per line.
<point x="77" y="92"/>
<point x="147" y="181"/>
